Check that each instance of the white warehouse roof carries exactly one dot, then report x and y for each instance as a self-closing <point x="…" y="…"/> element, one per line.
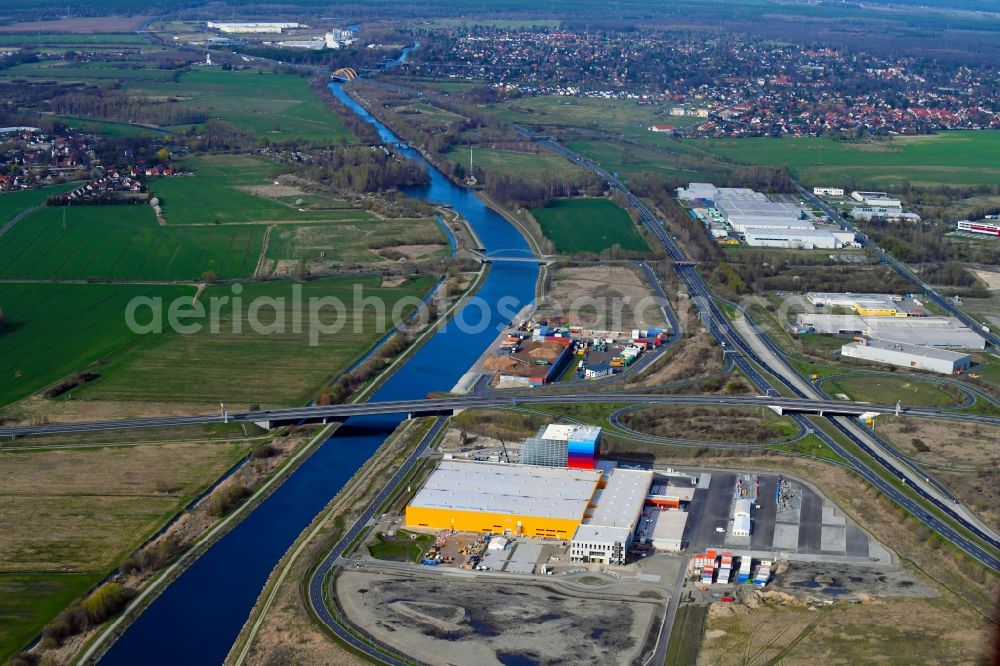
<point x="551" y="492"/>
<point x="620" y="502"/>
<point x="563" y="433"/>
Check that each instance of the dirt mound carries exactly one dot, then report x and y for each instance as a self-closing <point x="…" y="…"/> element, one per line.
<point x="500" y="363"/>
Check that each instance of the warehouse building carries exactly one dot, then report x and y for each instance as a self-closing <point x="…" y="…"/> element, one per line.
<point x="249" y="28"/>
<point x="556" y="445"/>
<point x="979" y="227"/>
<point x="597" y="510"/>
<point x="867" y="305"/>
<point x="500" y="498"/>
<point x="663" y="530"/>
<point x="927" y="331"/>
<point x="877" y="199"/>
<point x="905" y="355"/>
<point x="797" y="239"/>
<point x="742" y="519"/>
<point x="892" y="213"/>
<point x="607" y="533"/>
<point x="828" y="191"/>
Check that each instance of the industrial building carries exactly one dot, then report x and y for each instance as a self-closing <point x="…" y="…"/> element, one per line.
<point x="597" y="510"/>
<point x="663" y="530"/>
<point x="574" y="446"/>
<point x="742" y="519"/>
<point x="877" y="199"/>
<point x="979" y="227"/>
<point x="905" y="355"/>
<point x="927" y="331"/>
<point x="501" y="498"/>
<point x="607" y="533"/>
<point x="798" y="239"/>
<point x="870" y="305"/>
<point x="250" y="28"/>
<point x="828" y="191"/>
<point x="891" y="213"/>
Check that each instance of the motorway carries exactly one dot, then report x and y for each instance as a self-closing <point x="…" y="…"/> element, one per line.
<point x="433" y="406"/>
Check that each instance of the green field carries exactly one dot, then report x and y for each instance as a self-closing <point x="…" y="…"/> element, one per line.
<point x="626" y="117"/>
<point x="964" y="157"/>
<point x="67" y="40"/>
<point x="214" y="195"/>
<point x="29" y="600"/>
<point x="630" y="160"/>
<point x="588" y="225"/>
<point x="242" y="366"/>
<point x="124" y="243"/>
<point x="54" y="330"/>
<point x="280" y="107"/>
<point x="400" y="547"/>
<point x="887" y="390"/>
<point x="526" y="165"/>
<point x="12" y="203"/>
<point x="107" y="128"/>
<point x="87" y="71"/>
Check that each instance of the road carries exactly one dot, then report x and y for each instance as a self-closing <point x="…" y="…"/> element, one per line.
<point x="434" y="406"/>
<point x="318" y="580"/>
<point x="945" y="304"/>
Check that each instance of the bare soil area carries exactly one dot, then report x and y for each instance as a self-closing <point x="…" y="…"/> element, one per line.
<point x="440" y="620"/>
<point x="273" y="190"/>
<point x="610" y="298"/>
<point x="991" y="278"/>
<point x="897" y="631"/>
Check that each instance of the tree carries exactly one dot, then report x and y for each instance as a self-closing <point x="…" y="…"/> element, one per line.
<point x="163" y="155"/>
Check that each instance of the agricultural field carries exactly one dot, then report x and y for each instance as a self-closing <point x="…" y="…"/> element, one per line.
<point x="70" y="516"/>
<point x="234" y="188"/>
<point x="12" y="203"/>
<point x="107" y="128"/>
<point x="526" y="165"/>
<point x="63" y="70"/>
<point x="947" y="158"/>
<point x="279" y="107"/>
<point x="272" y="365"/>
<point x="124" y="243"/>
<point x="588" y="225"/>
<point x="52" y="331"/>
<point x="378" y="240"/>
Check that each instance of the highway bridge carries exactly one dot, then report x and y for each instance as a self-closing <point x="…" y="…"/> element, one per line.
<point x="445" y="406"/>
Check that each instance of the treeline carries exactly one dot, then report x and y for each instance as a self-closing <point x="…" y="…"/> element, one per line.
<point x="925" y="243"/>
<point x="119" y="106"/>
<point x="364" y="169"/>
<point x="365" y="132"/>
<point x="690" y="232"/>
<point x="103" y="603"/>
<point x="514" y="191"/>
<point x="346" y="384"/>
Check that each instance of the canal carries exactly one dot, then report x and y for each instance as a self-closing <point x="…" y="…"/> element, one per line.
<point x="197" y="617"/>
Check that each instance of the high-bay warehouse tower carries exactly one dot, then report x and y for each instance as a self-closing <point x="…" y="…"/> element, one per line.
<point x="556" y="445"/>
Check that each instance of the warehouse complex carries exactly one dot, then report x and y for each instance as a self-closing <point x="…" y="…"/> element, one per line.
<point x="979" y="227"/>
<point x="906" y="355"/>
<point x="602" y="511"/>
<point x="873" y="305"/>
<point x="757" y="220"/>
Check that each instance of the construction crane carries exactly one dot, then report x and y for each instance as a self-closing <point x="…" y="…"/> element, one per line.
<point x="505" y="454"/>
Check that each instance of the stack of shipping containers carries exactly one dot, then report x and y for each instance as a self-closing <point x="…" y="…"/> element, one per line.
<point x="726" y="568"/>
<point x="743" y="575"/>
<point x="763" y="574"/>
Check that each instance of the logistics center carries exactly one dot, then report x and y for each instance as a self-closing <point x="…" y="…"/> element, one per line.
<point x="602" y="512"/>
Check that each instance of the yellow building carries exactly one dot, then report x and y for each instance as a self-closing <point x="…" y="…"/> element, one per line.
<point x="499" y="498"/>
